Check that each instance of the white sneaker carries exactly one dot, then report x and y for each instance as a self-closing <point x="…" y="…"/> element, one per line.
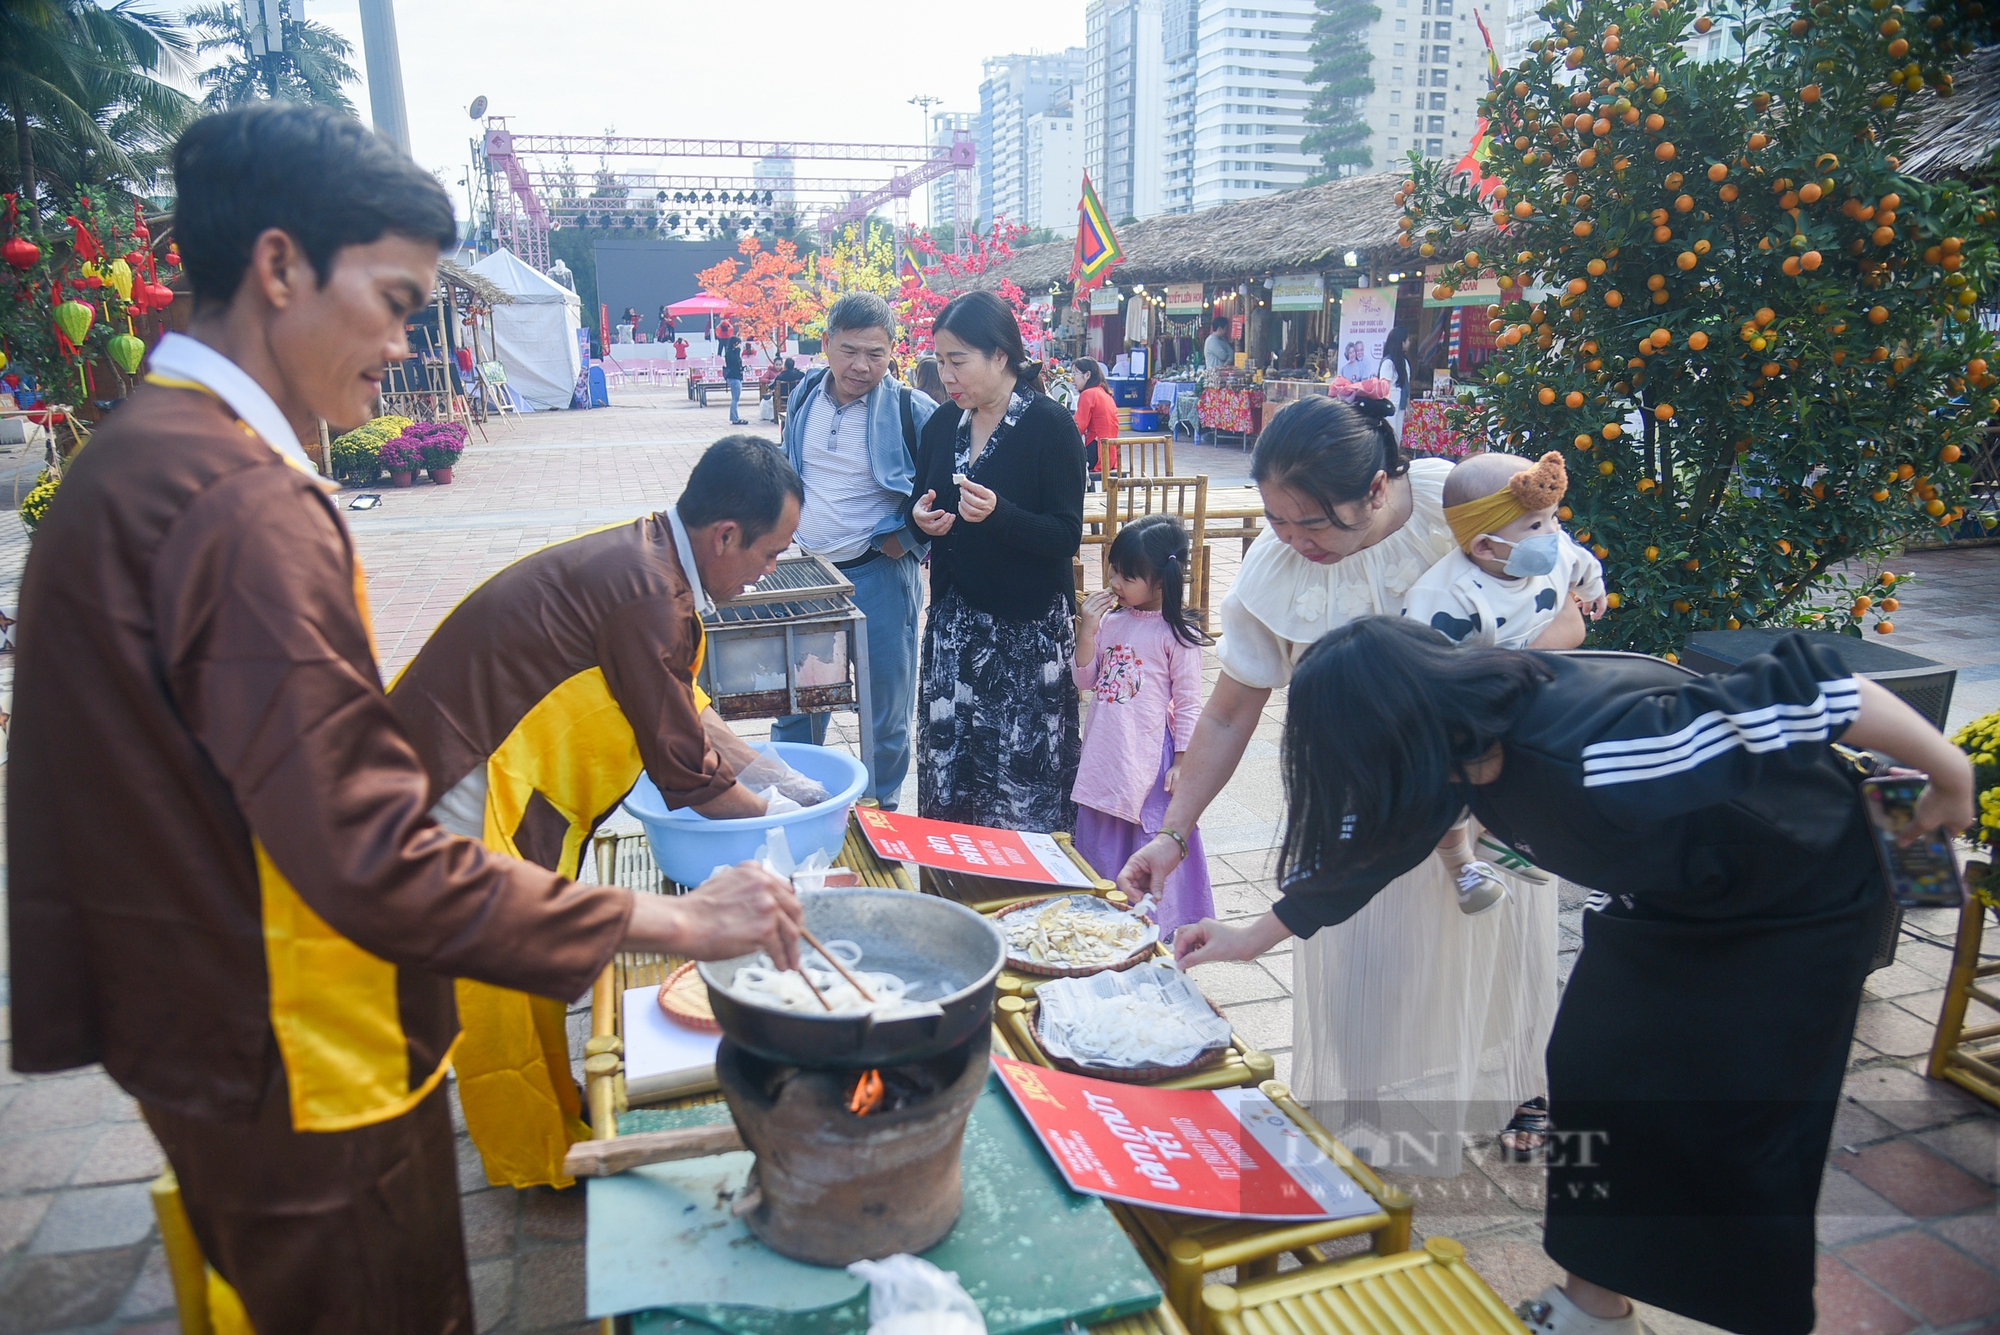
<point x="1554" y="1314"/>
<point x="1479" y="888"/>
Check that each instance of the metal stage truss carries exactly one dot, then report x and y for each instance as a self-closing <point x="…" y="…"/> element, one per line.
<point x="536" y="185"/>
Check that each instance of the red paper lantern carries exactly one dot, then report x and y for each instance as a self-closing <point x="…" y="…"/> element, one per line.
<point x="158" y="296"/>
<point x="20" y="252"/>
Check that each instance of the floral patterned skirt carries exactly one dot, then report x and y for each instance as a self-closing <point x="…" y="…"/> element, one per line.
<point x="997" y="735"/>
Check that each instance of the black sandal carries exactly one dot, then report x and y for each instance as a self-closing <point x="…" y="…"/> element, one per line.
<point x="1529" y="1123"/>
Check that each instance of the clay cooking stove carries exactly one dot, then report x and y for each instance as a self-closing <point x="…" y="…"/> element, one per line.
<point x="832" y="1186"/>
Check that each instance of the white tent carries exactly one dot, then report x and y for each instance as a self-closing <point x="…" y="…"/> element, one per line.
<point x="536" y="335"/>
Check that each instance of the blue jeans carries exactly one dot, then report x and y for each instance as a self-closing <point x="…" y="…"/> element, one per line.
<point x="889" y="593"/>
<point x="735" y="397"/>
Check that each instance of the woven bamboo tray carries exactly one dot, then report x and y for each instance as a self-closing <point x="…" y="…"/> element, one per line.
<point x="1132" y="1075"/>
<point x="1239" y="1065"/>
<point x="1019" y="964"/>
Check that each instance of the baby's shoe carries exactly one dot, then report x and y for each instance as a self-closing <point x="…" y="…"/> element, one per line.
<point x="1479" y="888"/>
<point x="1554" y="1314"/>
<point x="1504" y="856"/>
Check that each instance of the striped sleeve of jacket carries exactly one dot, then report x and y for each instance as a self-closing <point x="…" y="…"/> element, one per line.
<point x="1708" y="741"/>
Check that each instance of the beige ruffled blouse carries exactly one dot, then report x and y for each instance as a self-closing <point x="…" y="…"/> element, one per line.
<point x="1281" y="602"/>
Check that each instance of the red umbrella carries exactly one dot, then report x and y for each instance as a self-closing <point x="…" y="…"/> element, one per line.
<point x="701" y="305"/>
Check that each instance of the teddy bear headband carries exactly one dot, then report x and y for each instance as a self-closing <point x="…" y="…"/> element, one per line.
<point x="1527" y="491"/>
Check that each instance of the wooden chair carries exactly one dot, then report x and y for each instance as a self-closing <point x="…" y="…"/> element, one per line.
<point x="1186" y="498"/>
<point x="784" y="396"/>
<point x="1145" y="456"/>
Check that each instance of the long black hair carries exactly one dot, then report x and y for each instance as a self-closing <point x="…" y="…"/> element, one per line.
<point x="1384" y="714"/>
<point x="1155" y="547"/>
<point x="1396" y="351"/>
<point x="1328" y="450"/>
<point x="983" y="322"/>
<point x="1093" y="374"/>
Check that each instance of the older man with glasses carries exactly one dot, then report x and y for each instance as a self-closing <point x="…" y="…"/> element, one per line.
<point x="851" y="431"/>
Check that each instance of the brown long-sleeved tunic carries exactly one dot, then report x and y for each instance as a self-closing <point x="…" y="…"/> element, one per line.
<point x="555" y="681"/>
<point x="220" y="855"/>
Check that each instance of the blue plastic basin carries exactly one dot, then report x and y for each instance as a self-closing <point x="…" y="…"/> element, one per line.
<point x="689" y="846"/>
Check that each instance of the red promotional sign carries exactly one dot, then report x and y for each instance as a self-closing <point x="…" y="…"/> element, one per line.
<point x="1225" y="1152"/>
<point x="1007" y="855"/>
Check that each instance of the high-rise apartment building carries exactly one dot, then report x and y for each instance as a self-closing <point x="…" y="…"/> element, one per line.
<point x="1430" y="72"/>
<point x="1250" y="97"/>
<point x="1524" y="23"/>
<point x="943" y="208"/>
<point x="1014" y="90"/>
<point x="1122" y="109"/>
<point x="1054" y="173"/>
<point x="1180" y="31"/>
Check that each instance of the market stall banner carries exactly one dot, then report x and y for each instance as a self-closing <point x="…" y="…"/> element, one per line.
<point x="1298" y="292"/>
<point x="1229" y="1153"/>
<point x="1481" y="291"/>
<point x="1185" y="299"/>
<point x="1007" y="855"/>
<point x="1367" y="314"/>
<point x="1104" y="301"/>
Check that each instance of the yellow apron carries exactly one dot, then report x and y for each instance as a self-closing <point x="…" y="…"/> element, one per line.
<point x="521" y="1103"/>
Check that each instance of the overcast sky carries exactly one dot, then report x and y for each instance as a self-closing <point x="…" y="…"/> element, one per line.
<point x="695" y="68"/>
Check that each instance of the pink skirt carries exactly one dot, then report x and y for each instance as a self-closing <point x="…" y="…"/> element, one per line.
<point x="1107" y="843"/>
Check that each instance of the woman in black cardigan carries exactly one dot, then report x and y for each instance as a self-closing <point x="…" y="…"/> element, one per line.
<point x="999" y="489"/>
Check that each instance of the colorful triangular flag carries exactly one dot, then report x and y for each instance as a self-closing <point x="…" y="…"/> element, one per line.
<point x="907" y="264"/>
<point x="1097" y="247"/>
<point x="1470" y="165"/>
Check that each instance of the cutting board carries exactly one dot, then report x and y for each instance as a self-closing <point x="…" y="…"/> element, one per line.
<point x="1033" y="1254"/>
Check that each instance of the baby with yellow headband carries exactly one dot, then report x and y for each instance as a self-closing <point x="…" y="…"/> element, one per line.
<point x="1515" y="568"/>
<point x="1505" y="585"/>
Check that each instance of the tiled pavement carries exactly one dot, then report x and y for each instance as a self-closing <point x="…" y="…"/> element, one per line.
<point x="1910" y="1235"/>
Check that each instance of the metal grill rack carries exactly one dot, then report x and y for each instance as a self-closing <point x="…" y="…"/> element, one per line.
<point x="799" y="620"/>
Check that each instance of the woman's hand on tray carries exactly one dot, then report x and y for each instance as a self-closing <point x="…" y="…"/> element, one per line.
<point x="1147" y="871"/>
<point x="1209" y="940"/>
<point x="738" y="910"/>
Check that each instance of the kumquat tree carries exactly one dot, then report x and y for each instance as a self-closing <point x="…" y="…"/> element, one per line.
<point x="1754" y="340"/>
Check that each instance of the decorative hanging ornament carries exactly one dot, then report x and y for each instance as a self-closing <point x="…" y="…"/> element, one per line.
<point x="119" y="274"/>
<point x="158" y="296"/>
<point x="127" y="352"/>
<point x="86" y="245"/>
<point x="3" y="361"/>
<point x="73" y="321"/>
<point x="20" y="252"/>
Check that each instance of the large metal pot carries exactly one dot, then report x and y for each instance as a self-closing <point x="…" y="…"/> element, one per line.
<point x="949" y="957"/>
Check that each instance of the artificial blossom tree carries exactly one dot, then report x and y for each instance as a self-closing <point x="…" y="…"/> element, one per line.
<point x="1752" y="339"/>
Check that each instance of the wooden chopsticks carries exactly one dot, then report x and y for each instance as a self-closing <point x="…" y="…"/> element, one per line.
<point x="834" y="960"/>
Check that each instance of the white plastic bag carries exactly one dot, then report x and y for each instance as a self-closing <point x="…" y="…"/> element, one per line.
<point x="907" y="1295"/>
<point x="769" y="771"/>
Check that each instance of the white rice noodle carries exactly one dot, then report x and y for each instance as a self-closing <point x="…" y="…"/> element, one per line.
<point x="764" y="984"/>
<point x="1147" y="1016"/>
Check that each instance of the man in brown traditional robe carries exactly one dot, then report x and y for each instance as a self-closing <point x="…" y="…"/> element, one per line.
<point x="534" y="706"/>
<point x="225" y="883"/>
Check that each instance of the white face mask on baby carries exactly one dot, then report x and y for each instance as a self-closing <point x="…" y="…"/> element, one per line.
<point x="1530" y="556"/>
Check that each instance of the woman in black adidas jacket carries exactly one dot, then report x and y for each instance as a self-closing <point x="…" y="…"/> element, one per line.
<point x="1697" y="1057"/>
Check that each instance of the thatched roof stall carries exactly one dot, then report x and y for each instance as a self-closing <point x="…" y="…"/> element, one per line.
<point x="1957" y="135"/>
<point x="1298" y="231"/>
<point x="488" y="292"/>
